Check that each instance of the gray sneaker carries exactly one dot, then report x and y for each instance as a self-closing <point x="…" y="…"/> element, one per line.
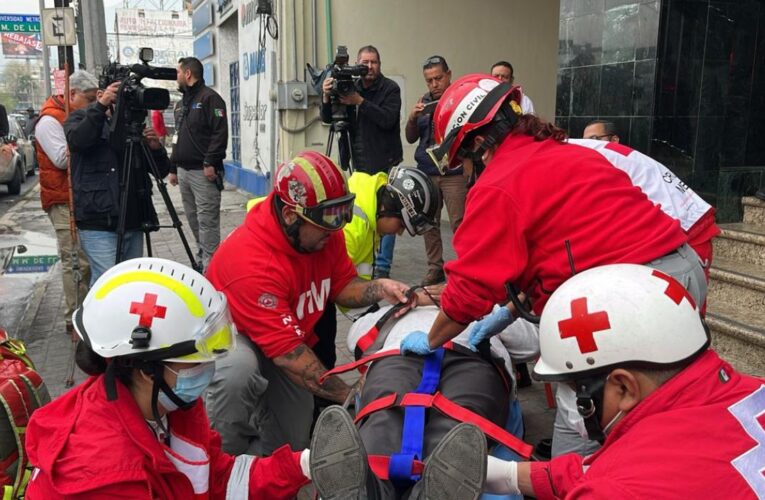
<point x="338" y="460"/>
<point x="456" y="470"/>
<point x="380" y="273"/>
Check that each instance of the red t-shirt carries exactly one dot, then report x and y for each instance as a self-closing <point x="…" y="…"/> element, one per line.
<point x="532" y="197"/>
<point x="275" y="293"/>
<point x="699" y="435"/>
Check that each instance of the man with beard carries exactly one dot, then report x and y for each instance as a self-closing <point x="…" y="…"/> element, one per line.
<point x="199" y="147"/>
<point x="279" y="270"/>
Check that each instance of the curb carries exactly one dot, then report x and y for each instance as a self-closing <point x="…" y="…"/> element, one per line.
<point x="33" y="307"/>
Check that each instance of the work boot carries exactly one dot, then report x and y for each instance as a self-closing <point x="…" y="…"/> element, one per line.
<point x="338" y="460"/>
<point x="456" y="470"/>
<point x="435" y="276"/>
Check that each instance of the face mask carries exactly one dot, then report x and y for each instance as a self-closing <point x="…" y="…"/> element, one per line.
<point x="613" y="422"/>
<point x="189" y="385"/>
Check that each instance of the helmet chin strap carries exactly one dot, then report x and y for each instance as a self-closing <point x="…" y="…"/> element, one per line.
<point x="156" y="370"/>
<point x="589" y="403"/>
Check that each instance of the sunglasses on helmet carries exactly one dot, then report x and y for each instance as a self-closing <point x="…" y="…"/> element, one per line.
<point x="330" y="215"/>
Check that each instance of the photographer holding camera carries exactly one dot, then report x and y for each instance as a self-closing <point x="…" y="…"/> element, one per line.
<point x="97" y="183"/>
<point x="199" y="147"/>
<point x="373" y="112"/>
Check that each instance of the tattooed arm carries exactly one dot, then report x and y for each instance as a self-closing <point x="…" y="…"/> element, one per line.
<point x="303" y="367"/>
<point x="363" y="293"/>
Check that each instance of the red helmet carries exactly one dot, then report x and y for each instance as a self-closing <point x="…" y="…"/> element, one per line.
<point x="469" y="103"/>
<point x="317" y="189"/>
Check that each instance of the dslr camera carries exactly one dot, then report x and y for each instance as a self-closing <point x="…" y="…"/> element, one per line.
<point x="133" y="98"/>
<point x="344" y="76"/>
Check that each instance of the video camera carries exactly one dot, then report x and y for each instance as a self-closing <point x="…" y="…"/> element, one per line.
<point x="344" y="76"/>
<point x="134" y="99"/>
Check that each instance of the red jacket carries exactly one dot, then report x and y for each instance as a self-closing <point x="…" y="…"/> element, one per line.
<point x="85" y="447"/>
<point x="54" y="182"/>
<point x="699" y="435"/>
<point x="532" y="197"/>
<point x="276" y="294"/>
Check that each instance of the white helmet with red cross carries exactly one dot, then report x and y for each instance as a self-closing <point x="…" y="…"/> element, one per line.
<point x="155" y="310"/>
<point x="615" y="316"/>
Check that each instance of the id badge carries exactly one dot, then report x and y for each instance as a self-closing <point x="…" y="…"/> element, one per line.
<point x="175" y="139"/>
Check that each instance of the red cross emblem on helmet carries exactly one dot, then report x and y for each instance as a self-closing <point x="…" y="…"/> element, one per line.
<point x="148" y="310"/>
<point x="583" y="324"/>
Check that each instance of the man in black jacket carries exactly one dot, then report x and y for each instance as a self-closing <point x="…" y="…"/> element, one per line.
<point x="97" y="175"/>
<point x="199" y="147"/>
<point x="374" y="115"/>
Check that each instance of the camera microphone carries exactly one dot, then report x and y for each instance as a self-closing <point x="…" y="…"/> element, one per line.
<point x="155" y="72"/>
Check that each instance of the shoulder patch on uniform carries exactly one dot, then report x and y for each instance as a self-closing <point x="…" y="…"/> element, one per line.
<point x="220" y="113"/>
<point x="268" y="301"/>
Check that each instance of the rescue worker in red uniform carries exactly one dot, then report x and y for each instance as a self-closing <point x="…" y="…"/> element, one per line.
<point x="151" y="332"/>
<point x="539" y="212"/>
<point x="279" y="270"/>
<point x="675" y="420"/>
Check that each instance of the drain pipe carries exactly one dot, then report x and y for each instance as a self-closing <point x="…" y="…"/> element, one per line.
<point x="328" y="19"/>
<point x="314" y="41"/>
<point x="295" y="39"/>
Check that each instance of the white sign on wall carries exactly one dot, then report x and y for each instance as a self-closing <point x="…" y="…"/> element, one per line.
<point x="256" y="74"/>
<point x="58" y="26"/>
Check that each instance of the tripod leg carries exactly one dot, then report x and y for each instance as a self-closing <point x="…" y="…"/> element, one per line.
<point x="127" y="166"/>
<point x="162" y="188"/>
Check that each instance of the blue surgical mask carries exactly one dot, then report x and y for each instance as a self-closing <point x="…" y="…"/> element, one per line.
<point x="190" y="383"/>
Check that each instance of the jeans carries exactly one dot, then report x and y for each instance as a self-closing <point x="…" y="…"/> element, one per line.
<point x="101" y="247"/>
<point x="384" y="259"/>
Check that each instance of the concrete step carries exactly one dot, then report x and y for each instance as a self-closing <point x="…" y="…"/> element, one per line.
<point x="741" y="242"/>
<point x="738" y="335"/>
<point x="754" y="210"/>
<point x="737" y="283"/>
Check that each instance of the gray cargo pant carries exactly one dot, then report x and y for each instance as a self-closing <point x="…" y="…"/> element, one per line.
<point x="201" y="202"/>
<point x="685" y="266"/>
<point x="254" y="406"/>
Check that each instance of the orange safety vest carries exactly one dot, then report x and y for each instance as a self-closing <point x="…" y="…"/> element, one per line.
<point x="54" y="183"/>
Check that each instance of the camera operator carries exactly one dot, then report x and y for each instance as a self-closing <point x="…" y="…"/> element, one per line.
<point x="198" y="151"/>
<point x="374" y="112"/>
<point x="96" y="182"/>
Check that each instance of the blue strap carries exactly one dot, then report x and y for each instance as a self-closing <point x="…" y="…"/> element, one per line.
<point x="412" y="436"/>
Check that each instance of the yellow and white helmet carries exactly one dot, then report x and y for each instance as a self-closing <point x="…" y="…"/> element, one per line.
<point x="155" y="309"/>
<point x="617" y="315"/>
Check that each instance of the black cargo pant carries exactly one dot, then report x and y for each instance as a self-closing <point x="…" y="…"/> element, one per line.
<point x="467" y="380"/>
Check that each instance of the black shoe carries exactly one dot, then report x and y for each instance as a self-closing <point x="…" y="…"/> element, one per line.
<point x="338" y="460"/>
<point x="760" y="194"/>
<point x="380" y="273"/>
<point x="456" y="470"/>
<point x="543" y="450"/>
<point x="524" y="379"/>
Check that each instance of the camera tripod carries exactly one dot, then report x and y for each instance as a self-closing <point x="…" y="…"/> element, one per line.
<point x="135" y="151"/>
<point x="341" y="129"/>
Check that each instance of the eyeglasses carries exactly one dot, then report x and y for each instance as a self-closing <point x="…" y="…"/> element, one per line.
<point x="600" y="137"/>
<point x="433" y="60"/>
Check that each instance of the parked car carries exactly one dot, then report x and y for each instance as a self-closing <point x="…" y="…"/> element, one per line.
<point x="24" y="145"/>
<point x="12" y="171"/>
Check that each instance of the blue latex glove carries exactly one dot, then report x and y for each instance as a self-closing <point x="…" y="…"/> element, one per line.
<point x="491" y="324"/>
<point x="417" y="343"/>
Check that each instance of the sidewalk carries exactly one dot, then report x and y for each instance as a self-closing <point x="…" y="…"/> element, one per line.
<point x="43" y="331"/>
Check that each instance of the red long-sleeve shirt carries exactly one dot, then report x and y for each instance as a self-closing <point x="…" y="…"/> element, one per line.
<point x="699" y="435"/>
<point x="275" y="293"/>
<point x="532" y="197"/>
<point x="85" y="447"/>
